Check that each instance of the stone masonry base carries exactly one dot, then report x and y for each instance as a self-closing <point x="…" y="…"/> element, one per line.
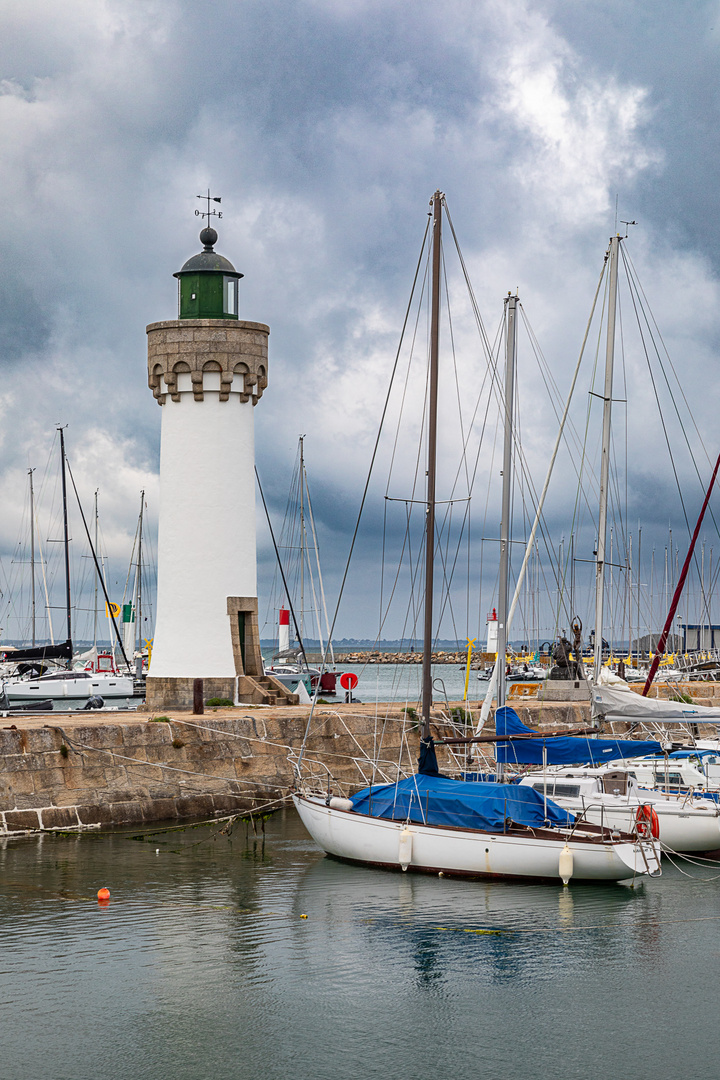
<point x="122" y="812"/>
<point x="178" y="693"/>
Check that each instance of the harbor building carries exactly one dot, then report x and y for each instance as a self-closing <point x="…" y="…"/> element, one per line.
<point x="208" y="370"/>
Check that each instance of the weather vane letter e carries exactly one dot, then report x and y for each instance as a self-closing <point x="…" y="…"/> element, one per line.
<point x="209" y="213"/>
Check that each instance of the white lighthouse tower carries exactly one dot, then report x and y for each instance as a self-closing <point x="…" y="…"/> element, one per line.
<point x="207" y="370"/>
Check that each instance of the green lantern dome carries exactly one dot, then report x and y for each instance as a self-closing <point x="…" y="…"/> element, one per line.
<point x="208" y="283"/>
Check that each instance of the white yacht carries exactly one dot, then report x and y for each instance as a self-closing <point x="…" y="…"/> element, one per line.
<point x="613" y="798"/>
<point x="692" y="768"/>
<point x="431" y="836"/>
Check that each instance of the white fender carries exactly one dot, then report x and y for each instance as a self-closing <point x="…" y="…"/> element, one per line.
<point x="566" y="865"/>
<point x="405" y="848"/>
<point x="340" y="804"/>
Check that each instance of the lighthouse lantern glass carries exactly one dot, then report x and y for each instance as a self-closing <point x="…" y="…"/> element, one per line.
<point x="230" y="290"/>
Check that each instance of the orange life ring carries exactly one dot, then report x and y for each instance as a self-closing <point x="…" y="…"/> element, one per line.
<point x="646" y="822"/>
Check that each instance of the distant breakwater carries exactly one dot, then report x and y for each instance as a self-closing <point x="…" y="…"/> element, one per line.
<point x="377" y="657"/>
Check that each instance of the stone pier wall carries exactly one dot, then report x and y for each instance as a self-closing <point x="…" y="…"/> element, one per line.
<point x="60" y="773"/>
<point x="68" y="772"/>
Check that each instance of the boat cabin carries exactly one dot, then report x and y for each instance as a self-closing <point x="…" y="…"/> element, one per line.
<point x="584" y="783"/>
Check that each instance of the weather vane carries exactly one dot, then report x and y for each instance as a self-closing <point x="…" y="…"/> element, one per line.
<point x="209" y="213"/>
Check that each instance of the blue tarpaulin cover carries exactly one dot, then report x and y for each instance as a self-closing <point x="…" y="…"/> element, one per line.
<point x="561" y="749"/>
<point x="439" y="800"/>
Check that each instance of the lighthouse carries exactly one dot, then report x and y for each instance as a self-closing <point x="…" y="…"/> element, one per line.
<point x="208" y="370"/>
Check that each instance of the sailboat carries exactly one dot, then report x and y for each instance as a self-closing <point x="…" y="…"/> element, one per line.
<point x="595" y="778"/>
<point x="434" y="824"/>
<point x="289" y="664"/>
<point x="38" y="687"/>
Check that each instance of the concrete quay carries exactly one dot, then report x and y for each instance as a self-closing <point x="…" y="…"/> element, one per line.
<point x="81" y="770"/>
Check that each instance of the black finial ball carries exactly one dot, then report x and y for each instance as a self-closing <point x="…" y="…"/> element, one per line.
<point x="208" y="237"/>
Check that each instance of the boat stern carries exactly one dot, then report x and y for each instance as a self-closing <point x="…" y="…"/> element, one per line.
<point x="640" y="856"/>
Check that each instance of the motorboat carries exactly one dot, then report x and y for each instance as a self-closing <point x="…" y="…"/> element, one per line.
<point x="518" y="673"/>
<point x="293" y="676"/>
<point x="689" y="769"/>
<point x="613" y="798"/>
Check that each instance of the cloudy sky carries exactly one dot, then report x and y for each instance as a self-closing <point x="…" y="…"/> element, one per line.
<point x="325" y="125"/>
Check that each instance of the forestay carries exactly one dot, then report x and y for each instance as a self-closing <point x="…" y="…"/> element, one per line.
<point x="561" y="749"/>
<point x="439" y="800"/>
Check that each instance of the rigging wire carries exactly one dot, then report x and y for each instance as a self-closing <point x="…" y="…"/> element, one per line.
<point x="367" y="481"/>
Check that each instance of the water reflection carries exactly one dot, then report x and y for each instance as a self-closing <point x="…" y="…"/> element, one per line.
<point x="491" y="931"/>
<point x="202" y="965"/>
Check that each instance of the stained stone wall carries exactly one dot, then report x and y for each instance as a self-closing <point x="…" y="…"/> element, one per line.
<point x="69" y="772"/>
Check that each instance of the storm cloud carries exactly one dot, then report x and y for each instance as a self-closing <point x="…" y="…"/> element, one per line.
<point x="325" y="127"/>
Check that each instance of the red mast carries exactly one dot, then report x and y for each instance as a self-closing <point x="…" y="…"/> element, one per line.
<point x="681" y="582"/>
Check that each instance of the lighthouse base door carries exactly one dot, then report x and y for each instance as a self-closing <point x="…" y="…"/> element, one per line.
<point x="241" y="637"/>
<point x="243" y="614"/>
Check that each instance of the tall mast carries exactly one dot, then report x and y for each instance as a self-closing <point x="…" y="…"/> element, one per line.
<point x="138" y="579"/>
<point x="639" y="572"/>
<point x="95" y="607"/>
<point x="701" y="637"/>
<point x="437" y="201"/>
<point x="302" y="537"/>
<point x="605" y="455"/>
<point x="66" y="541"/>
<point x="32" y="552"/>
<point x="510" y="358"/>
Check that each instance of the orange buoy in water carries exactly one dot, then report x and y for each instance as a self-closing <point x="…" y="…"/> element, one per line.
<point x="103" y="895"/>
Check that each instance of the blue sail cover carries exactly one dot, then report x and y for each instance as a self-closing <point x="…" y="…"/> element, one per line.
<point x="561" y="749"/>
<point x="439" y="800"/>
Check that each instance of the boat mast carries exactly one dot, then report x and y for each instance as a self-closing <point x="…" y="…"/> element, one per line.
<point x="437" y="201"/>
<point x="605" y="456"/>
<point x="32" y="552"/>
<point x="302" y="537"/>
<point x="66" y="540"/>
<point x="680" y="585"/>
<point x="511" y="303"/>
<point x="639" y="572"/>
<point x="95" y="607"/>
<point x="138" y="580"/>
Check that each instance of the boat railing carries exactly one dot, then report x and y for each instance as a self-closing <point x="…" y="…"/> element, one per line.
<point x="582" y="817"/>
<point x="315" y="775"/>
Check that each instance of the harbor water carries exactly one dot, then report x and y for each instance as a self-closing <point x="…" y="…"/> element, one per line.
<point x="202" y="965"/>
<point x="402" y="682"/>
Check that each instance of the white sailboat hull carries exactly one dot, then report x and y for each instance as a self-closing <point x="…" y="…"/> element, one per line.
<point x="467" y="853"/>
